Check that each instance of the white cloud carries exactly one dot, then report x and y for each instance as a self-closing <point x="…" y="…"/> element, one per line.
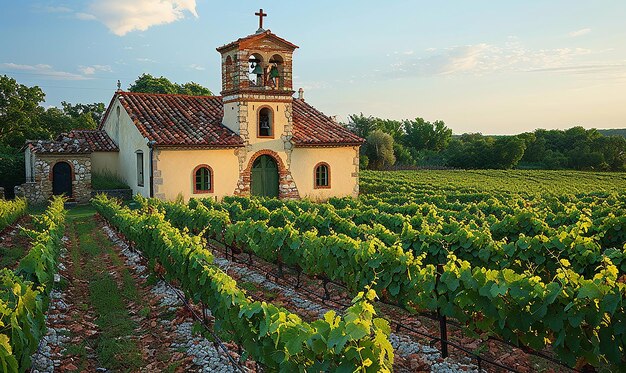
<point x="43" y="70"/>
<point x="145" y="60"/>
<point x="480" y="59"/>
<point x="57" y="9"/>
<point x="196" y="67"/>
<point x="580" y="32"/>
<point x="124" y="16"/>
<point x="90" y="70"/>
<point x="86" y="16"/>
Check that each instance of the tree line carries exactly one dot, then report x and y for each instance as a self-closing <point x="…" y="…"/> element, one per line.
<point x="390" y="143"/>
<point x="393" y="144"/>
<point x="22" y="118"/>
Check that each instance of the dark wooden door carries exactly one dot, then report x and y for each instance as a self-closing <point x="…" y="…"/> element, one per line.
<point x="62" y="179"/>
<point x="264" y="177"/>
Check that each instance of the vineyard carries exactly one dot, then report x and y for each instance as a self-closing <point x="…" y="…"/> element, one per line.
<point x="543" y="271"/>
<point x="524" y="262"/>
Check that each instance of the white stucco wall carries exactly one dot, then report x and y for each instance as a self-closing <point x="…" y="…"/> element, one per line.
<point x="104" y="163"/>
<point x="343" y="171"/>
<point x="129" y="140"/>
<point x="175" y="168"/>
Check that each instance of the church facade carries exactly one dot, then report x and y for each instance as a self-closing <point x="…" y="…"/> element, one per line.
<point x="254" y="139"/>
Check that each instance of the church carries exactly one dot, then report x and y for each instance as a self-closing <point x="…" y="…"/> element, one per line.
<point x="255" y="139"/>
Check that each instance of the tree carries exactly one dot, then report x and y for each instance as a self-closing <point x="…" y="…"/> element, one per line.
<point x="361" y="125"/>
<point x="19" y="109"/>
<point x="86" y="116"/>
<point x="403" y="155"/>
<point x="147" y="83"/>
<point x="614" y="149"/>
<point x="379" y="150"/>
<point x="423" y="135"/>
<point x="194" y="89"/>
<point x="507" y="152"/>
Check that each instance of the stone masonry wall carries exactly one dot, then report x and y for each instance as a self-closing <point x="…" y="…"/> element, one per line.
<point x="40" y="189"/>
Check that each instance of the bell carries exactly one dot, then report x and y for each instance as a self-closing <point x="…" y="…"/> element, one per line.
<point x="274" y="72"/>
<point x="257" y="69"/>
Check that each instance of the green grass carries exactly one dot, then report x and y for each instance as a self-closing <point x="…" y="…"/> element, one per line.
<point x="81" y="212"/>
<point x="107" y="180"/>
<point x="115" y="346"/>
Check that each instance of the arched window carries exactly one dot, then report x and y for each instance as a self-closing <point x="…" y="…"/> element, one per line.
<point x="266" y="123"/>
<point x="202" y="179"/>
<point x="322" y="175"/>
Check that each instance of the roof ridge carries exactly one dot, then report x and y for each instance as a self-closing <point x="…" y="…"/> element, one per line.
<point x="122" y="93"/>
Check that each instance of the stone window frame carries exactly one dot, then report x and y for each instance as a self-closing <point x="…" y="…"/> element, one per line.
<point x="194" y="182"/>
<point x="258" y="122"/>
<point x="315" y="183"/>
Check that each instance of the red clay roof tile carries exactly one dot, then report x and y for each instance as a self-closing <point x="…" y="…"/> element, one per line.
<point x="98" y="140"/>
<point x="181" y="120"/>
<point x="313" y="128"/>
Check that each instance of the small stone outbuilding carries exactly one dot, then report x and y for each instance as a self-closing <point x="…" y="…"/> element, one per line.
<point x="64" y="166"/>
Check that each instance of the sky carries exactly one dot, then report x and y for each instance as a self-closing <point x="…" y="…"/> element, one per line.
<point x="495" y="67"/>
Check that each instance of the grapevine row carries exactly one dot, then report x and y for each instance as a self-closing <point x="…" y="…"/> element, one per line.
<point x="273" y="336"/>
<point x="24" y="293"/>
<point x="10" y="211"/>
<point x="434" y="237"/>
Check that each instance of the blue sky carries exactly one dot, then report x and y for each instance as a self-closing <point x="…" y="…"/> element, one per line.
<point x="496" y="67"/>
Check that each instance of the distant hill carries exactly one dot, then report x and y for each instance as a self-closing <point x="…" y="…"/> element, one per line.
<point x="616" y="131"/>
<point x="606" y="132"/>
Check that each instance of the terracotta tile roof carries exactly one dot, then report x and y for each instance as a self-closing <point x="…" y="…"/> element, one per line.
<point x="174" y="120"/>
<point x="247" y="40"/>
<point x="65" y="145"/>
<point x="98" y="140"/>
<point x="75" y="142"/>
<point x="312" y="128"/>
<point x="181" y="120"/>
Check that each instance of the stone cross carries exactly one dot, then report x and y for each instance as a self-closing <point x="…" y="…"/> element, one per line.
<point x="261" y="15"/>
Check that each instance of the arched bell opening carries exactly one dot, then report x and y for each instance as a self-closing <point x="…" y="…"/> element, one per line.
<point x="256" y="71"/>
<point x="228" y="74"/>
<point x="275" y="72"/>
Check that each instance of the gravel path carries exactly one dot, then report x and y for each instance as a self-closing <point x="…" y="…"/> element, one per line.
<point x="203" y="352"/>
<point x="45" y="359"/>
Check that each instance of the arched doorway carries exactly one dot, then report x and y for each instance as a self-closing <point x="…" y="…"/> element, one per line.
<point x="264" y="177"/>
<point x="62" y="179"/>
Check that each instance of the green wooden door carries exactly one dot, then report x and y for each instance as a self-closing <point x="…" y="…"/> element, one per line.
<point x="264" y="177"/>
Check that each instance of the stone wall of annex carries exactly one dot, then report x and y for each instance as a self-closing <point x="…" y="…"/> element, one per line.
<point x="38" y="190"/>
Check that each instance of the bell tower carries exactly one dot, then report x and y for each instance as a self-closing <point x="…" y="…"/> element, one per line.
<point x="256" y="74"/>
